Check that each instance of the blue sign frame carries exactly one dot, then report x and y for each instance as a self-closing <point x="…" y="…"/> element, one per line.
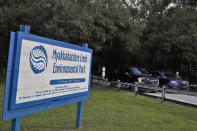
<point x="11" y="110"/>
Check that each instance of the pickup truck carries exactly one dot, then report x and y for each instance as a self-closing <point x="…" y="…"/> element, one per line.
<point x="140" y="75"/>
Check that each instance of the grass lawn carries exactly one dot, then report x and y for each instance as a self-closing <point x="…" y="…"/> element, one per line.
<point x="108" y="110"/>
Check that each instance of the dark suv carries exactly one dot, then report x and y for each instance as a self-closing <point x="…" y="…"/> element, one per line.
<point x="170" y="80"/>
<point x="139" y="75"/>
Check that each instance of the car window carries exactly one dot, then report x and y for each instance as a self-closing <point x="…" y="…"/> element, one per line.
<point x="169" y="75"/>
<point x="143" y="71"/>
<point x="135" y="71"/>
<point x="157" y="74"/>
<point x="152" y="73"/>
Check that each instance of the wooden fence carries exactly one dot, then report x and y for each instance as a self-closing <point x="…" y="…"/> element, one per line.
<point x="134" y="87"/>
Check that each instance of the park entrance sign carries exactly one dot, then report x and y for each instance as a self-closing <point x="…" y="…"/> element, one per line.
<point x="48" y="72"/>
<point x="43" y="73"/>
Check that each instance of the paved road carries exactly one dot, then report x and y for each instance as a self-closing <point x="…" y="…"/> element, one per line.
<point x="192" y="100"/>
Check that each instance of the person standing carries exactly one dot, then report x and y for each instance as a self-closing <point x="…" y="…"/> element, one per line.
<point x="177" y="75"/>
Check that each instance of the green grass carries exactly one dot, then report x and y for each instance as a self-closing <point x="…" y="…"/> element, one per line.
<point x="108" y="110"/>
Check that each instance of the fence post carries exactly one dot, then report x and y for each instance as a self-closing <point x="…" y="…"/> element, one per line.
<point x="105" y="83"/>
<point x="163" y="94"/>
<point x="136" y="88"/>
<point x="118" y="85"/>
<point x="131" y="88"/>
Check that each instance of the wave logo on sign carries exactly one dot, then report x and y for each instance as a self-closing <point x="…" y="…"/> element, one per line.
<point x="38" y="59"/>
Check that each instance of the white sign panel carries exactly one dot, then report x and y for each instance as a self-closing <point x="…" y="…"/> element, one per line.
<point x="47" y="71"/>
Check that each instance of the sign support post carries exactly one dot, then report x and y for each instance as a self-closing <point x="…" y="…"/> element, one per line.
<point x="79" y="113"/>
<point x="16" y="122"/>
<point x="80" y="104"/>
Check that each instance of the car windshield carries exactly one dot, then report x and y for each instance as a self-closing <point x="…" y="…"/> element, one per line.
<point x="168" y="75"/>
<point x="143" y="71"/>
<point x="137" y="71"/>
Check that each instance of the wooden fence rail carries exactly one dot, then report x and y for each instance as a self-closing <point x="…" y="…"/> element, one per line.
<point x="185" y="92"/>
<point x="135" y="87"/>
<point x="96" y="79"/>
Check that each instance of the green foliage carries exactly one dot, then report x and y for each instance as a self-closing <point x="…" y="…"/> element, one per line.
<point x="149" y="33"/>
<point x="105" y="25"/>
<point x="170" y="36"/>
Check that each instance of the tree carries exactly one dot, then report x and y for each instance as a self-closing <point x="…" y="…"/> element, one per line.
<point x="170" y="37"/>
<point x="107" y="26"/>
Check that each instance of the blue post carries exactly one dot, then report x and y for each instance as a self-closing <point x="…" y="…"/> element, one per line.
<point x="80" y="104"/>
<point x="25" y="28"/>
<point x="85" y="45"/>
<point x="79" y="114"/>
<point x="16" y="124"/>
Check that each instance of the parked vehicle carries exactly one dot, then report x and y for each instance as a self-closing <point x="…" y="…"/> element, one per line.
<point x="170" y="80"/>
<point x="139" y="75"/>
